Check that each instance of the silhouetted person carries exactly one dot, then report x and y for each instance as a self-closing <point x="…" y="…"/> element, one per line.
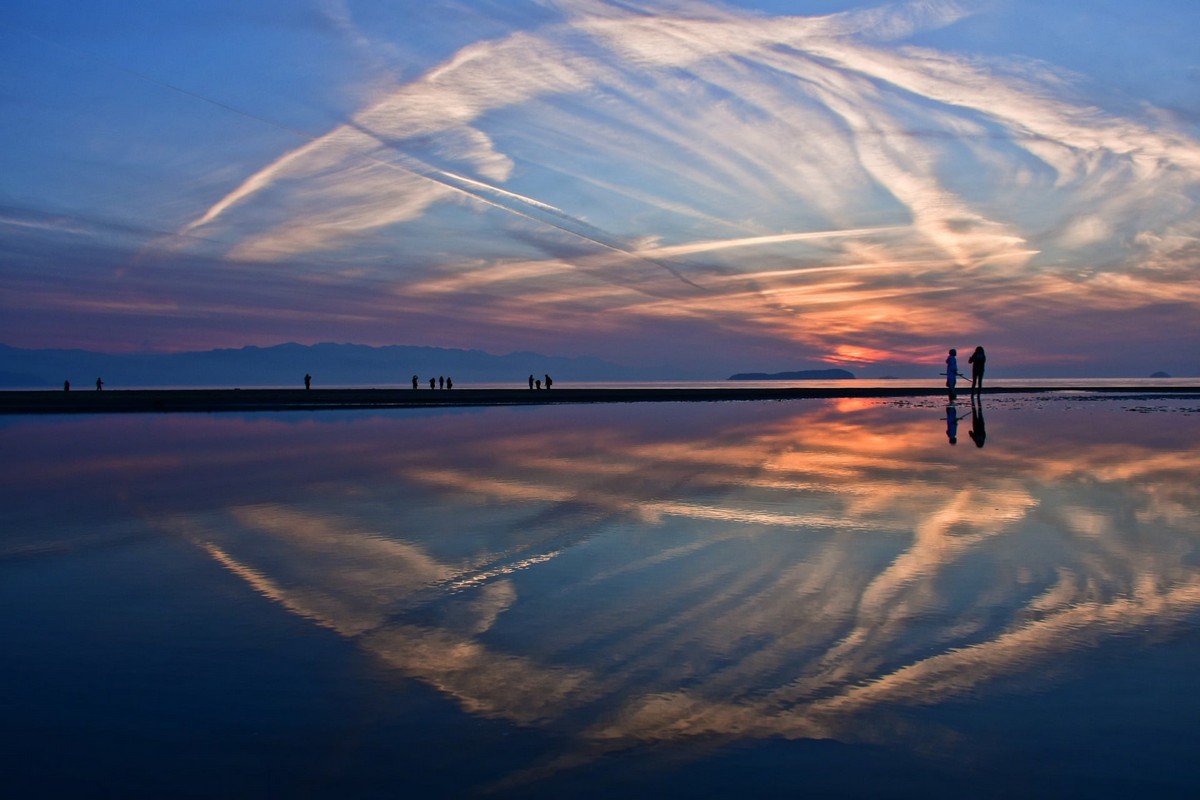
<point x="951" y="372"/>
<point x="977" y="361"/>
<point x="978" y="432"/>
<point x="441" y="382"/>
<point x="414" y="381"/>
<point x="433" y="383"/>
<point x="99" y="384"/>
<point x="66" y="386"/>
<point x="449" y="383"/>
<point x="549" y="382"/>
<point x="538" y="384"/>
<point x="531" y="381"/>
<point x="307" y="381"/>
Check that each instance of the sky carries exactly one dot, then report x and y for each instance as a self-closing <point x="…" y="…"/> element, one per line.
<point x="689" y="187"/>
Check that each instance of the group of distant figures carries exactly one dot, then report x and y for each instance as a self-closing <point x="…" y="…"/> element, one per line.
<point x="99" y="385"/>
<point x="440" y="382"/>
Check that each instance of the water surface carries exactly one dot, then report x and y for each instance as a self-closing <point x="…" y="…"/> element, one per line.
<point x="838" y="598"/>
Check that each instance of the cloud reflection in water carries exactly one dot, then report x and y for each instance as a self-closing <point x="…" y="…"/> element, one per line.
<point x="632" y="574"/>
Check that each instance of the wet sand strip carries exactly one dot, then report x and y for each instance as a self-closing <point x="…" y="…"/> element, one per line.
<point x="214" y="400"/>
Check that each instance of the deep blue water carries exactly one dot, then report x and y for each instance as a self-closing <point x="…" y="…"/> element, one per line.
<point x="813" y="598"/>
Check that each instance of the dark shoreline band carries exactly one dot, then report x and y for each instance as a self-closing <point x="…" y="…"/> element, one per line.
<point x="212" y="400"/>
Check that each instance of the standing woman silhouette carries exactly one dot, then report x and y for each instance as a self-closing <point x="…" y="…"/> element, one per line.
<point x="977" y="361"/>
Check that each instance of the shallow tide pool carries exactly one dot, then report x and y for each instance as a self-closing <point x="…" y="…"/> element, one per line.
<point x="867" y="598"/>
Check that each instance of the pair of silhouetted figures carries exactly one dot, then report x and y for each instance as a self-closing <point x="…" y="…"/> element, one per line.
<point x="978" y="432"/>
<point x="537" y="384"/>
<point x="977" y="361"/>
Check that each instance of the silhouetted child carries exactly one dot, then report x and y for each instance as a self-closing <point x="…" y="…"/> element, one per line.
<point x="538" y="384"/>
<point x="549" y="382"/>
<point x="433" y="383"/>
<point x="951" y="371"/>
<point x="449" y="383"/>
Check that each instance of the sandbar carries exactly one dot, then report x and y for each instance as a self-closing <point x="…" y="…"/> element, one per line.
<point x="216" y="400"/>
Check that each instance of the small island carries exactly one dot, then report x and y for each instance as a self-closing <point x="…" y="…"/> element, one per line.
<point x="799" y="375"/>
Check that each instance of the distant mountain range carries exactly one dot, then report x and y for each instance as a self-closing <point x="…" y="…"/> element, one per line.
<point x="799" y="375"/>
<point x="286" y="365"/>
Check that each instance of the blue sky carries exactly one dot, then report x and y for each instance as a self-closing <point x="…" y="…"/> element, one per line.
<point x="700" y="188"/>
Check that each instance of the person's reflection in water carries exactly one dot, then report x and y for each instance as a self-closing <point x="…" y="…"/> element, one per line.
<point x="952" y="419"/>
<point x="978" y="432"/>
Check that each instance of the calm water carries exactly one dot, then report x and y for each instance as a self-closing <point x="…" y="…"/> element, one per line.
<point x="812" y="598"/>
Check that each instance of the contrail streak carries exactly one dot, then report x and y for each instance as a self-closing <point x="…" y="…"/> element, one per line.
<point x="754" y="241"/>
<point x="467" y="186"/>
<point x="533" y="209"/>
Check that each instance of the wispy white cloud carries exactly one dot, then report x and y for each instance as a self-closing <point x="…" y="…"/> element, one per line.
<point x="631" y="165"/>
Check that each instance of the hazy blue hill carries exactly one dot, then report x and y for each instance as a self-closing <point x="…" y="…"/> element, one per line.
<point x="22" y="379"/>
<point x="799" y="375"/>
<point x="285" y="364"/>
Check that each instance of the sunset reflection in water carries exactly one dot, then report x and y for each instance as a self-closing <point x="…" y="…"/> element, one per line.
<point x="708" y="572"/>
